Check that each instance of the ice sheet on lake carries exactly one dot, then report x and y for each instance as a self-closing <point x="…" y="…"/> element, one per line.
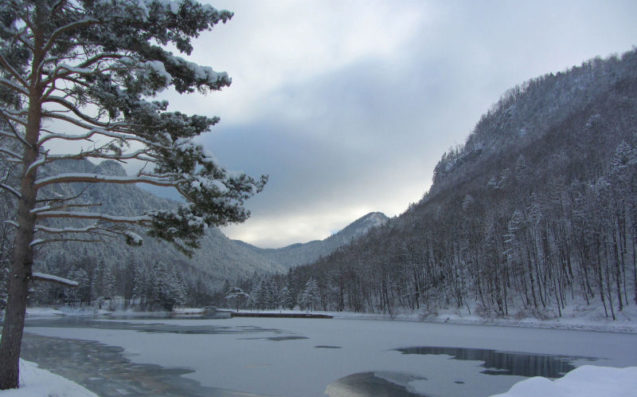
<point x="293" y="366"/>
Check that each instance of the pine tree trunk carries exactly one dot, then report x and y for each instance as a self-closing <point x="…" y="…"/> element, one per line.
<point x="17" y="293"/>
<point x="21" y="265"/>
<point x="14" y="319"/>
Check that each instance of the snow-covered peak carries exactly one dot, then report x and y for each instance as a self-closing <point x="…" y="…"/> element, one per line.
<point x="363" y="225"/>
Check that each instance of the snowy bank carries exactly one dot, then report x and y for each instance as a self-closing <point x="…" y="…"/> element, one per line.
<point x="579" y="316"/>
<point x="585" y="381"/>
<point x="576" y="317"/>
<point x="36" y="382"/>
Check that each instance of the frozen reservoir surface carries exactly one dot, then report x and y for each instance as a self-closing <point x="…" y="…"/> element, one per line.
<point x="310" y="357"/>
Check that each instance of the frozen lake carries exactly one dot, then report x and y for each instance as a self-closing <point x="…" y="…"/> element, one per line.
<point x="310" y="357"/>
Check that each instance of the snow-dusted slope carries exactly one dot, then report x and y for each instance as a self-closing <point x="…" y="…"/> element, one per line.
<point x="219" y="257"/>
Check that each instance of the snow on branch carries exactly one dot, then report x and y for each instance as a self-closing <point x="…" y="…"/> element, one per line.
<point x="54" y="230"/>
<point x="143" y="219"/>
<point x="54" y="279"/>
<point x="98" y="178"/>
<point x="73" y="109"/>
<point x="133" y="238"/>
<point x="40" y="241"/>
<point x="98" y="153"/>
<point x="12" y="223"/>
<point x="98" y="131"/>
<point x="63" y="207"/>
<point x="35" y="164"/>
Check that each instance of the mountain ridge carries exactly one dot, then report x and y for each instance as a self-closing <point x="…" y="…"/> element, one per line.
<point x="302" y="253"/>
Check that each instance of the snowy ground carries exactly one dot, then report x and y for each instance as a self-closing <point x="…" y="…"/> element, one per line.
<point x="585" y="381"/>
<point x="36" y="382"/>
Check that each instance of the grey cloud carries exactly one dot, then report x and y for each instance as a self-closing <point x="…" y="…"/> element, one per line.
<point x="361" y="134"/>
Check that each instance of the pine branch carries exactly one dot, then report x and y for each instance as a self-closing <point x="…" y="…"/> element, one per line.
<point x="98" y="178"/>
<point x="138" y="220"/>
<point x="73" y="109"/>
<point x="62" y="199"/>
<point x="10" y="153"/>
<point x="16" y="75"/>
<point x="39" y="242"/>
<point x="11" y="190"/>
<point x="63" y="29"/>
<point x="64" y="207"/>
<point x="53" y="230"/>
<point x="15" y="116"/>
<point x="98" y="154"/>
<point x="12" y="223"/>
<point x="107" y="132"/>
<point x="11" y="85"/>
<point x="54" y="279"/>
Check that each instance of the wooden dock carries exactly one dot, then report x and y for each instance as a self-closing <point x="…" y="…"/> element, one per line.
<point x="279" y="315"/>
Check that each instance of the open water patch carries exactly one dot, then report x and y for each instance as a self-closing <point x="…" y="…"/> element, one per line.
<point x="498" y="362"/>
<point x="104" y="370"/>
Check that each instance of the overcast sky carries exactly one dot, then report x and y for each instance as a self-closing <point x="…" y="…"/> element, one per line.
<point x="348" y="105"/>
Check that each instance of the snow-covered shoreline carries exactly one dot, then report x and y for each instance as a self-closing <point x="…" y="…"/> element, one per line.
<point x="585" y="381"/>
<point x="577" y="318"/>
<point x="627" y="325"/>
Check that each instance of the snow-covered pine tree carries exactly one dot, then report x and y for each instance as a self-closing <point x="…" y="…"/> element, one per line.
<point x="90" y="69"/>
<point x="286" y="300"/>
<point x="310" y="297"/>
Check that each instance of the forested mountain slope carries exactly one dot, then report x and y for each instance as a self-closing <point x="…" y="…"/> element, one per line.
<point x="156" y="268"/>
<point x="155" y="274"/>
<point x="304" y="253"/>
<point x="536" y="211"/>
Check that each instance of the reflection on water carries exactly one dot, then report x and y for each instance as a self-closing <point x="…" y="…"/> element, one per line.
<point x="104" y="370"/>
<point x="504" y="363"/>
<point x="494" y="363"/>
